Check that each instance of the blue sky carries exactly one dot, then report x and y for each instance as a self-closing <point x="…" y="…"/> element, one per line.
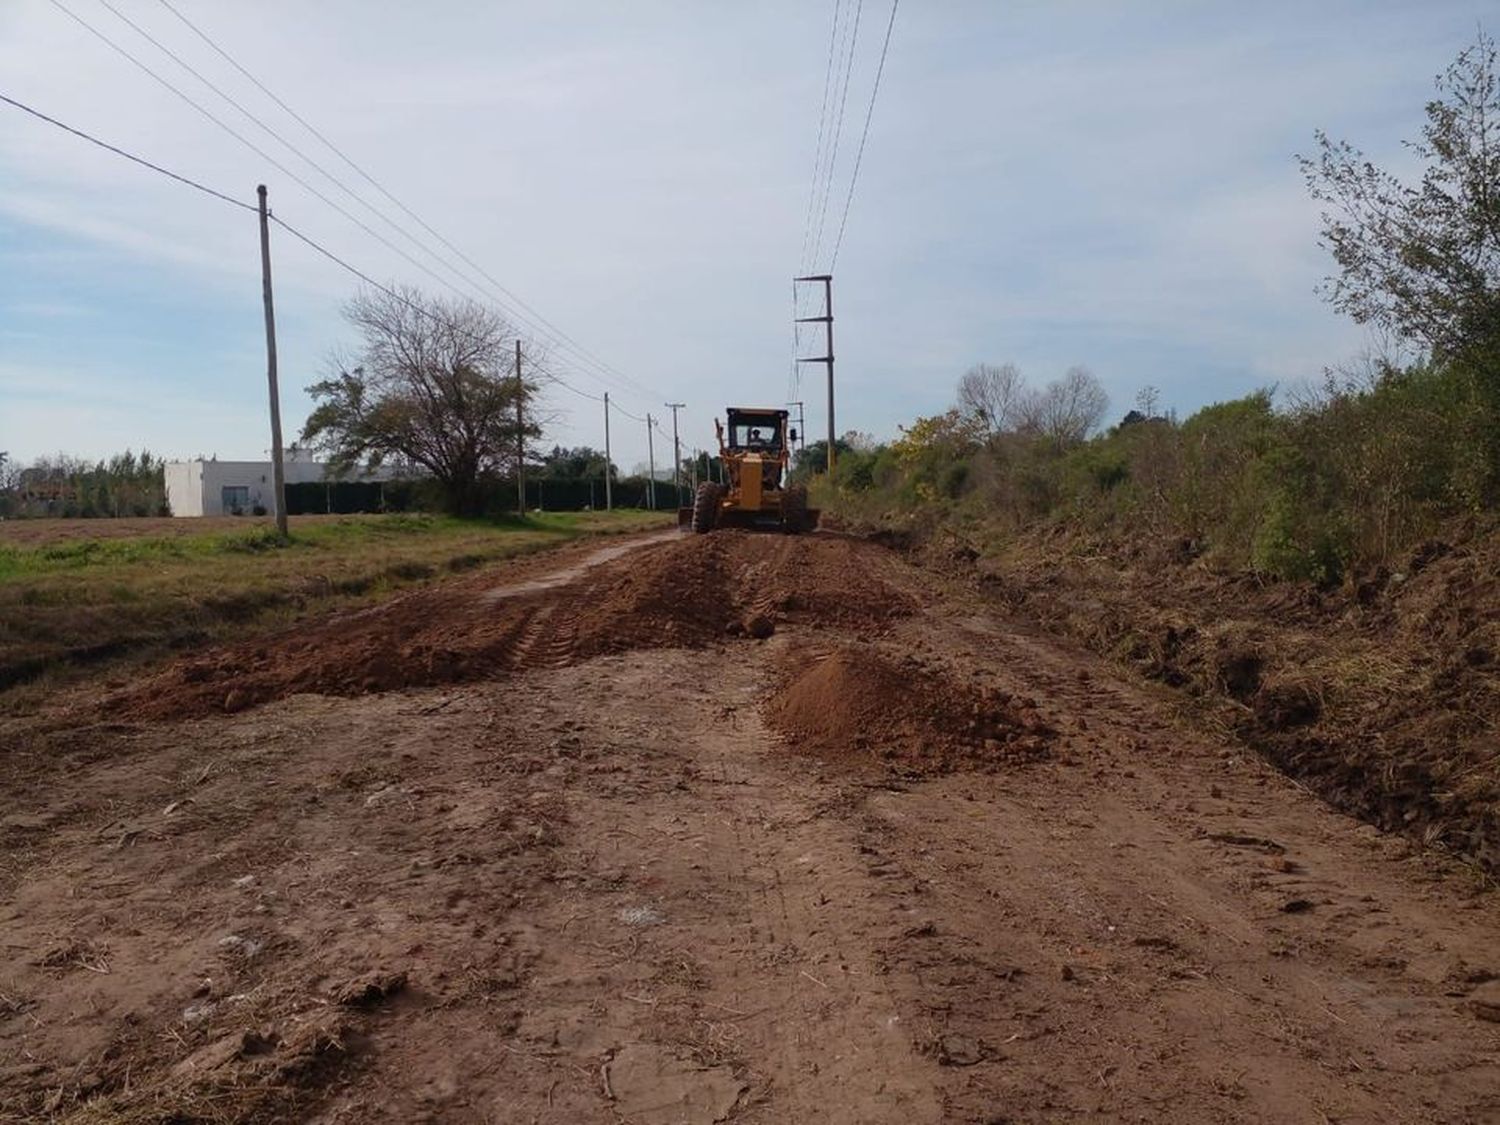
<point x="1111" y="184"/>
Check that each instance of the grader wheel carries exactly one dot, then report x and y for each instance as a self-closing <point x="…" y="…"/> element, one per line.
<point x="794" y="510"/>
<point x="706" y="507"/>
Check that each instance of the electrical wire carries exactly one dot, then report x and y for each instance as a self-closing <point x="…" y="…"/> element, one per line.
<point x="366" y="278"/>
<point x="812" y="189"/>
<point x="794" y="376"/>
<point x="305" y="239"/>
<point x="837" y="133"/>
<point x="552" y="329"/>
<point x="313" y="244"/>
<point x="23" y="107"/>
<point x="262" y="153"/>
<point x="287" y="171"/>
<point x="394" y="295"/>
<point x="864" y="134"/>
<point x="260" y="124"/>
<point x="627" y="413"/>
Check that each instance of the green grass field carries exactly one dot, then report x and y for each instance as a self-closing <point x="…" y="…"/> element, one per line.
<point x="73" y="603"/>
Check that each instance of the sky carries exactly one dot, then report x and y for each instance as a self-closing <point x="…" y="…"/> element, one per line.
<point x="1049" y="183"/>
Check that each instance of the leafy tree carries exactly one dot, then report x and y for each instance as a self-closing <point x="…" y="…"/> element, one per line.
<point x="813" y="457"/>
<point x="582" y="463"/>
<point x="432" y="385"/>
<point x="1423" y="260"/>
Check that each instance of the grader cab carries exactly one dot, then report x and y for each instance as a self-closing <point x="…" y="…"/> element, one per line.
<point x="755" y="451"/>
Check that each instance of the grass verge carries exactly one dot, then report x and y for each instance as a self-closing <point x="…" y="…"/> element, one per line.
<point x="78" y="605"/>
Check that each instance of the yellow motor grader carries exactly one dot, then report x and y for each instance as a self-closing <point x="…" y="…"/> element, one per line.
<point x="754" y="450"/>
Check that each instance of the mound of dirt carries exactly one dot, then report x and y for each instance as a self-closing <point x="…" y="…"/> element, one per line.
<point x="686" y="592"/>
<point x="853" y="703"/>
<point x="682" y="593"/>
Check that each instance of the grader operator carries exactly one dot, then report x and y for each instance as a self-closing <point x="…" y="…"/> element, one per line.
<point x="755" y="451"/>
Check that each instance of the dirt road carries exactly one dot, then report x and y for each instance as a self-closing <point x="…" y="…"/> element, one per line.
<point x="751" y="829"/>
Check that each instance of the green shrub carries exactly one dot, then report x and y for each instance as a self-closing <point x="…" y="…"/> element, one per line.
<point x="1348" y="476"/>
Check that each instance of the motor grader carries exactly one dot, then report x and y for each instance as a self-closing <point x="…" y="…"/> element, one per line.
<point x="754" y="450"/>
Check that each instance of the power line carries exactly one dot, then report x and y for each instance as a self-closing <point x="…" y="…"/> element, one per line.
<point x="812" y="189"/>
<point x="262" y="153"/>
<point x="366" y="278"/>
<point x="127" y="155"/>
<point x="307" y="240"/>
<point x="561" y="336"/>
<point x="627" y="413"/>
<point x="837" y="133"/>
<point x="260" y="124"/>
<point x="291" y="174"/>
<point x="421" y="310"/>
<point x="864" y="134"/>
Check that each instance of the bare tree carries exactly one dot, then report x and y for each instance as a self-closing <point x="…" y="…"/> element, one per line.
<point x="431" y="383"/>
<point x="993" y="396"/>
<point x="1068" y="409"/>
<point x="1147" y="399"/>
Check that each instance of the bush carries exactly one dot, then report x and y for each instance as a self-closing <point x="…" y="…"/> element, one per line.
<point x="1347" y="477"/>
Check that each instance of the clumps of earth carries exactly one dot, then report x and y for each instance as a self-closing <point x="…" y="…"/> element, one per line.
<point x="853" y="703"/>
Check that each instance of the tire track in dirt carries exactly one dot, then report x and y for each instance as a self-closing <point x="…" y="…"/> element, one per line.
<point x="758" y="894"/>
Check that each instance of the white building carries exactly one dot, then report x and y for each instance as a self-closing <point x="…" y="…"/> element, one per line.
<point x="227" y="488"/>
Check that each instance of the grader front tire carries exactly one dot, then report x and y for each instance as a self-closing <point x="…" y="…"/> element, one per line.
<point x="706" y="507"/>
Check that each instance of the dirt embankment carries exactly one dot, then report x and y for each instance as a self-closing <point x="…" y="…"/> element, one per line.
<point x="1382" y="695"/>
<point x="687" y="592"/>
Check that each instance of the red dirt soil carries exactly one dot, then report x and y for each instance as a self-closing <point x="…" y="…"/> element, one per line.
<point x="853" y="703"/>
<point x="1382" y="695"/>
<point x="689" y="591"/>
<point x="608" y="890"/>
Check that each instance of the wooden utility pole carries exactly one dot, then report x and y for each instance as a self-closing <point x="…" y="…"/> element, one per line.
<point x="609" y="500"/>
<point x="278" y="474"/>
<point x="520" y="437"/>
<point x="674" y="407"/>
<point x="650" y="466"/>
<point x="827" y="357"/>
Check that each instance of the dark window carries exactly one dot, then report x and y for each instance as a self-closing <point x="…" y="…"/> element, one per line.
<point x="755" y="433"/>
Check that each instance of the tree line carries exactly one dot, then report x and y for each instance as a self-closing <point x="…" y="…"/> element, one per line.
<point x="127" y="484"/>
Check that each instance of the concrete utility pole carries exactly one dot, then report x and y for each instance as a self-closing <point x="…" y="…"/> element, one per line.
<point x="827" y="357"/>
<point x="650" y="466"/>
<point x="674" y="407"/>
<point x="609" y="500"/>
<point x="278" y="474"/>
<point x="520" y="438"/>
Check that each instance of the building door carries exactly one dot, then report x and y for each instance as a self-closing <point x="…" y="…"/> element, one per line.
<point x="236" y="499"/>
